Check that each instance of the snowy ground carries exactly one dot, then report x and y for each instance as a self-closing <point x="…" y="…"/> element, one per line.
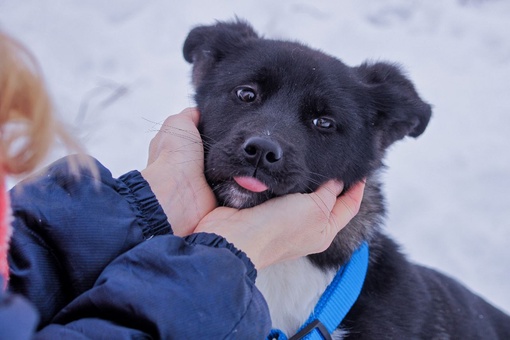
<point x="115" y="70"/>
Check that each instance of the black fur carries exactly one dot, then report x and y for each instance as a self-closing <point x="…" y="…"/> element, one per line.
<point x="294" y="117"/>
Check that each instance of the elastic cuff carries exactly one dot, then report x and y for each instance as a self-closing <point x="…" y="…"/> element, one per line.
<point x="140" y="195"/>
<point x="217" y="241"/>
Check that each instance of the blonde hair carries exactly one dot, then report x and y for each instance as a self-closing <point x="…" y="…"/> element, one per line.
<point x="28" y="127"/>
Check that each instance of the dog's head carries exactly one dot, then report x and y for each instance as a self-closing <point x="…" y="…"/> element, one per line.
<point x="278" y="117"/>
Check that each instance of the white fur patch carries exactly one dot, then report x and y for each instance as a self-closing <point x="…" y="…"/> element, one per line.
<point x="237" y="198"/>
<point x="292" y="289"/>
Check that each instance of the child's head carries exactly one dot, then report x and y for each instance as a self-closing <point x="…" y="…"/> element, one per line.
<point x="27" y="125"/>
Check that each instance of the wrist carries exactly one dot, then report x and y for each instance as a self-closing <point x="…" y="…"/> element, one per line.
<point x="168" y="195"/>
<point x="236" y="230"/>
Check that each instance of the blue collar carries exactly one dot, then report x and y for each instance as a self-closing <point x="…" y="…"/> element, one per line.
<point x="335" y="302"/>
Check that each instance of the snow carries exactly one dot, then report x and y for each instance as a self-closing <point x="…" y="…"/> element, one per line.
<point x="115" y="71"/>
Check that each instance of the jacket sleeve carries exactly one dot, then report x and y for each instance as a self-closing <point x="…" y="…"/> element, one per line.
<point x="97" y="258"/>
<point x="170" y="288"/>
<point x="67" y="227"/>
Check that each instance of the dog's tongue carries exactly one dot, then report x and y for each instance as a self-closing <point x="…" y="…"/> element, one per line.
<point x="250" y="183"/>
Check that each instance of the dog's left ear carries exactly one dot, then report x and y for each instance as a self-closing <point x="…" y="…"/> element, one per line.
<point x="398" y="110"/>
<point x="206" y="45"/>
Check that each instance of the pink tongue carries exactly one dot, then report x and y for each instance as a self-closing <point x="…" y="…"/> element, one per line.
<point x="250" y="183"/>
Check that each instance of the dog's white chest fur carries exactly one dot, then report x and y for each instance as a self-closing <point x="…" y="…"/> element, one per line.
<point x="291" y="290"/>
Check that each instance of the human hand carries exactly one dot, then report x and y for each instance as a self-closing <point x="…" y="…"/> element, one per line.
<point x="286" y="227"/>
<point x="175" y="172"/>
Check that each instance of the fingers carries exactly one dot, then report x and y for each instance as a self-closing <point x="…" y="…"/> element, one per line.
<point x="193" y="114"/>
<point x="325" y="196"/>
<point x="190" y="113"/>
<point x="176" y="132"/>
<point x="332" y="187"/>
<point x="348" y="205"/>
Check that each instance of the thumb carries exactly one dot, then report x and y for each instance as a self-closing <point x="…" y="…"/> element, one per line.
<point x="192" y="114"/>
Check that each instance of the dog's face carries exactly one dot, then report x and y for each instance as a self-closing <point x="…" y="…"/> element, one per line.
<point x="278" y="117"/>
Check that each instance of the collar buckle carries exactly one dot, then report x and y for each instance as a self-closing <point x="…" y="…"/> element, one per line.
<point x="312" y="326"/>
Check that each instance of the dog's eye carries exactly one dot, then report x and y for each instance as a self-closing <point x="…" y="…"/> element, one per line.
<point x="324" y="123"/>
<point x="246" y="94"/>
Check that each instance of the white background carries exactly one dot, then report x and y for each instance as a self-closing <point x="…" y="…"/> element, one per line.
<point x="115" y="70"/>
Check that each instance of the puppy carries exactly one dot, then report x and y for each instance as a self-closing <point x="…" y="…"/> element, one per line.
<point x="278" y="117"/>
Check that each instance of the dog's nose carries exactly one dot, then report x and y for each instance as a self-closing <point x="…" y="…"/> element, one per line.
<point x="262" y="151"/>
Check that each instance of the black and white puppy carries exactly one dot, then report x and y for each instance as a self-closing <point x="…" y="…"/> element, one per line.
<point x="278" y="117"/>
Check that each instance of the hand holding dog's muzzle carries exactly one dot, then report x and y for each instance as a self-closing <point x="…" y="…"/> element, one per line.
<point x="287" y="227"/>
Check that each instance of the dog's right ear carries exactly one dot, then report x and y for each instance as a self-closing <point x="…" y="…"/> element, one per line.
<point x="206" y="45"/>
<point x="399" y="110"/>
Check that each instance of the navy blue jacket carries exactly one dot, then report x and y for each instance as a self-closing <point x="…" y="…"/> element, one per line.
<point x="97" y="259"/>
